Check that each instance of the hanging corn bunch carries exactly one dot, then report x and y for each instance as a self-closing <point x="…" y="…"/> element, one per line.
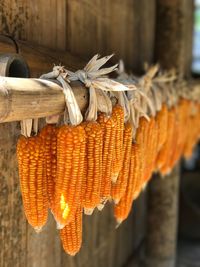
<point x="112" y="154"/>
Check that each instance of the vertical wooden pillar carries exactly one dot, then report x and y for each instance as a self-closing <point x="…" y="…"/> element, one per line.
<point x="162" y="220"/>
<point x="173" y="49"/>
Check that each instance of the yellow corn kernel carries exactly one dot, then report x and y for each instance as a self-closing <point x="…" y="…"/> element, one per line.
<point x="30" y="154"/>
<point x="70" y="170"/>
<point x="71" y="234"/>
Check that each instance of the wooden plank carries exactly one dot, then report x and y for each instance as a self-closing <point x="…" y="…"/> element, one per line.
<point x="41" y="22"/>
<point x="174" y="28"/>
<point x="37" y="245"/>
<point x="107" y="26"/>
<point x="162" y="220"/>
<point x="40" y="59"/>
<point x="13" y="224"/>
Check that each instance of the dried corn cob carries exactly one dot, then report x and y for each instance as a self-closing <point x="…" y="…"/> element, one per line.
<point x="122" y="209"/>
<point x="93" y="166"/>
<point x="71" y="234"/>
<point x="119" y="188"/>
<point x="161" y="119"/>
<point x="118" y="115"/>
<point x="168" y="148"/>
<point x="142" y="142"/>
<point x="181" y="133"/>
<point x="70" y="168"/>
<point x="151" y="149"/>
<point x="108" y="128"/>
<point x="30" y="154"/>
<point x="49" y="135"/>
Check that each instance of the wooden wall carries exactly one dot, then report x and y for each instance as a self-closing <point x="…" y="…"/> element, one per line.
<point x="82" y="28"/>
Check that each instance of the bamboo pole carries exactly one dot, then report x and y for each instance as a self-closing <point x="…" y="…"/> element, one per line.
<point x="22" y="98"/>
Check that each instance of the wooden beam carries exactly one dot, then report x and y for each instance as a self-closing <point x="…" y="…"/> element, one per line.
<point x="22" y="98"/>
<point x="39" y="59"/>
<point x="174" y="34"/>
<point x="162" y="220"/>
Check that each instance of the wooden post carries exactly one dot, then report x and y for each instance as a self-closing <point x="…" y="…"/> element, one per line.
<point x="162" y="220"/>
<point x="173" y="49"/>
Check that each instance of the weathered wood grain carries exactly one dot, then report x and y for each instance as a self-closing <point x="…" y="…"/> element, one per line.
<point x="40" y="59"/>
<point x="162" y="220"/>
<point x="174" y="28"/>
<point x="41" y="22"/>
<point x="12" y="221"/>
<point x="112" y="27"/>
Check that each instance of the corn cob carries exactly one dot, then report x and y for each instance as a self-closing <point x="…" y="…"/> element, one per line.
<point x="188" y="148"/>
<point x="108" y="128"/>
<point x="122" y="209"/>
<point x="118" y="115"/>
<point x="151" y="147"/>
<point x="142" y="142"/>
<point x="170" y="144"/>
<point x="162" y="154"/>
<point x="71" y="234"/>
<point x="119" y="188"/>
<point x="30" y="154"/>
<point x="93" y="166"/>
<point x="49" y="135"/>
<point x="70" y="171"/>
<point x="181" y="132"/>
<point x="161" y="119"/>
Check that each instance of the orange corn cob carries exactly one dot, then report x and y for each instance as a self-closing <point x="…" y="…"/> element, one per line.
<point x="142" y="141"/>
<point x="71" y="234"/>
<point x="189" y="144"/>
<point x="108" y="128"/>
<point x="151" y="149"/>
<point x="122" y="209"/>
<point x="49" y="135"/>
<point x="30" y="154"/>
<point x="118" y="115"/>
<point x="168" y="148"/>
<point x="119" y="188"/>
<point x="93" y="166"/>
<point x="70" y="171"/>
<point x="181" y="132"/>
<point x="161" y="119"/>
